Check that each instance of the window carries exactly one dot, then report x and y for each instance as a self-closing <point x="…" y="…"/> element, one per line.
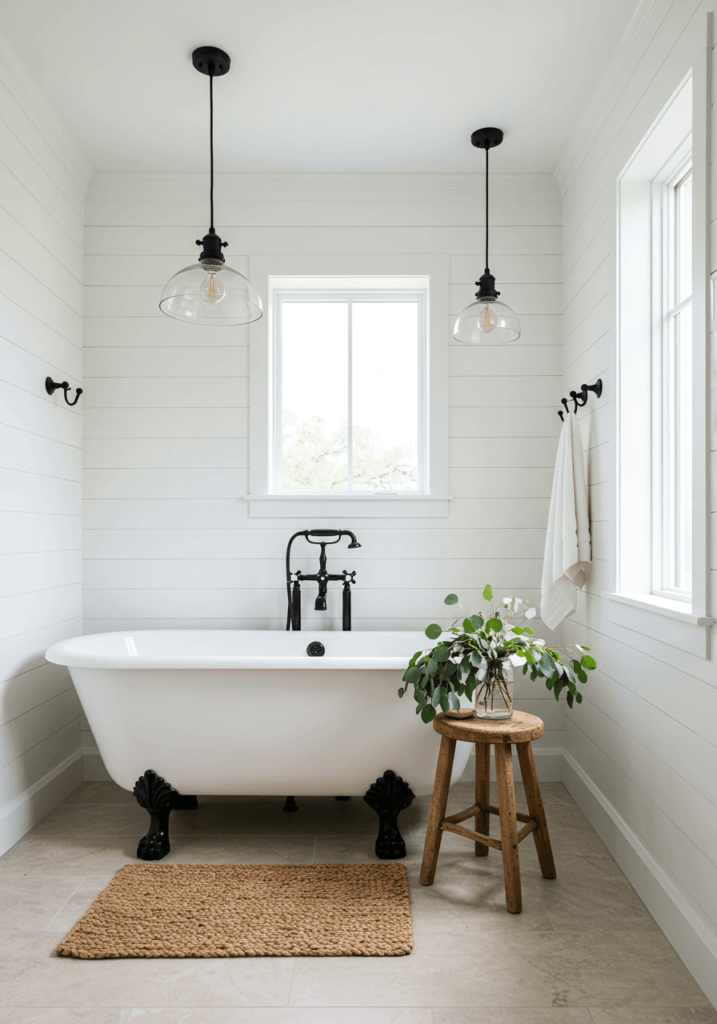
<point x="662" y="564"/>
<point x="349" y="387"/>
<point x="673" y="447"/>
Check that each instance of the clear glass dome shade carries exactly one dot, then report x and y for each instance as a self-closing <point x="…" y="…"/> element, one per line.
<point x="210" y="292"/>
<point x="487" y="322"/>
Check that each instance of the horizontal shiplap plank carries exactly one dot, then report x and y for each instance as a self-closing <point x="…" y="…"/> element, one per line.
<point x="114" y="453"/>
<point x="506" y="209"/>
<point x="171" y="392"/>
<point x="27" y="491"/>
<point x="164" y="483"/>
<point x="209" y="516"/>
<point x="179" y="241"/>
<point x="22" y="613"/>
<point x="499" y="421"/>
<point x="32" y="531"/>
<point x="31" y="453"/>
<point x="28" y="769"/>
<point x="261" y="573"/>
<point x="169" y="361"/>
<point x="167" y="423"/>
<point x="37" y="724"/>
<point x="221" y="542"/>
<point x="505" y="360"/>
<point x="26" y="572"/>
<point x="505" y="392"/>
<point x="39" y="413"/>
<point x="506" y="452"/>
<point x="52" y="272"/>
<point x="503" y="483"/>
<point x="28" y="690"/>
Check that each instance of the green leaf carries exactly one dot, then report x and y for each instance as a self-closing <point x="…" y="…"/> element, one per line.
<point x="450" y="668"/>
<point x="477" y="621"/>
<point x="455" y="703"/>
<point x="436" y="699"/>
<point x="579" y="697"/>
<point x="445" y="706"/>
<point x="428" y="714"/>
<point x="518" y="630"/>
<point x="468" y="626"/>
<point x="412" y="675"/>
<point x="546" y="665"/>
<point x="441" y="653"/>
<point x="495" y="624"/>
<point x="476" y="659"/>
<point x="570" y="699"/>
<point x="451" y="599"/>
<point x="432" y="667"/>
<point x="587" y="662"/>
<point x="401" y="691"/>
<point x="433" y="631"/>
<point x="487" y="593"/>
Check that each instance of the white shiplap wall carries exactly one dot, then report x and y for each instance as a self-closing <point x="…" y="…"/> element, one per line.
<point x="640" y="752"/>
<point x="168" y="541"/>
<point x="43" y="178"/>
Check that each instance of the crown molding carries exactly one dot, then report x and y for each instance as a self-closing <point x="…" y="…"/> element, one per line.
<point x="322" y="187"/>
<point x="622" y="63"/>
<point x="23" y="87"/>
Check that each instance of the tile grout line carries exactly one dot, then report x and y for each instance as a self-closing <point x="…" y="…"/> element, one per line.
<point x="82" y="881"/>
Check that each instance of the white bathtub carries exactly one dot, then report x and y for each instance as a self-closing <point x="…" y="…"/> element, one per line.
<point x="250" y="713"/>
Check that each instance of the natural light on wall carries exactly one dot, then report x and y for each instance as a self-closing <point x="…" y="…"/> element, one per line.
<point x="348" y="389"/>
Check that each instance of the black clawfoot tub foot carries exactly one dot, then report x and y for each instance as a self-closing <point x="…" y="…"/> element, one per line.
<point x="290" y="806"/>
<point x="389" y="795"/>
<point x="159" y="798"/>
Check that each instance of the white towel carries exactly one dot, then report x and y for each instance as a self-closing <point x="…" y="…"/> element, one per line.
<point x="567" y="544"/>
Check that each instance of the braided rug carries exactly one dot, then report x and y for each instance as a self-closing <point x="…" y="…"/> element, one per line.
<point x="205" y="910"/>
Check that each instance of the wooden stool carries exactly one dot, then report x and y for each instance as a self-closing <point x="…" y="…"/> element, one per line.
<point x="521" y="729"/>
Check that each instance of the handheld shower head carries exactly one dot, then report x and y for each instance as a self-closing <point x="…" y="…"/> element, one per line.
<point x="354" y="543"/>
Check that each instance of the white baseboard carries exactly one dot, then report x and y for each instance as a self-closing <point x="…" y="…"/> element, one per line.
<point x="95" y="770"/>
<point x="22" y="813"/>
<point x="548" y="765"/>
<point x="687" y="928"/>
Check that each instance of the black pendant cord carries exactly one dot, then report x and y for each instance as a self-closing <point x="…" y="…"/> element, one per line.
<point x="211" y="152"/>
<point x="486" y="209"/>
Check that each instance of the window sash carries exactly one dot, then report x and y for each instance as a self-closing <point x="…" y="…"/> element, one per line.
<point x="418" y="298"/>
<point x="672" y="507"/>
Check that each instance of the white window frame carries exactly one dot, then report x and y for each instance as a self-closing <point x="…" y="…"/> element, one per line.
<point x="372" y="293"/>
<point x="277" y="272"/>
<point x="682" y="125"/>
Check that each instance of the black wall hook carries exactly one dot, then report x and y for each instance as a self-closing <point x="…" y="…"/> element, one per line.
<point x="51" y="387"/>
<point x="576" y="396"/>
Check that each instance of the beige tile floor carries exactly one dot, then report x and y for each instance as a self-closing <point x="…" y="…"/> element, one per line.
<point x="584" y="951"/>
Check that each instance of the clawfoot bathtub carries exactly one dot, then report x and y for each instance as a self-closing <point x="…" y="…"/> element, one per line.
<point x="250" y="712"/>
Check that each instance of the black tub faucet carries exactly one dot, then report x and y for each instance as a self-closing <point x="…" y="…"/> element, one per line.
<point x="322" y="577"/>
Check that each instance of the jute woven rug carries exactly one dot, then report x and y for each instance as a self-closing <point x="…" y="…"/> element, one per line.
<point x="204" y="910"/>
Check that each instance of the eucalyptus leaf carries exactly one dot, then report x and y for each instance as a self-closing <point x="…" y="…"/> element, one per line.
<point x="433" y="631"/>
<point x="451" y="599"/>
<point x="428" y="714"/>
<point x="441" y="653"/>
<point x="495" y="624"/>
<point x="487" y="593"/>
<point x="587" y="662"/>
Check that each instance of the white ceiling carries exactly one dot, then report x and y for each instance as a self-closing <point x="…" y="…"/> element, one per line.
<point x="318" y="85"/>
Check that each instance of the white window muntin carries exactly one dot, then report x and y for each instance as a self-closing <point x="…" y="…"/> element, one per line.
<point x="418" y="297"/>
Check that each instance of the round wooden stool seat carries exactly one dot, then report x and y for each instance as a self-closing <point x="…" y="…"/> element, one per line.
<point x="521" y="728"/>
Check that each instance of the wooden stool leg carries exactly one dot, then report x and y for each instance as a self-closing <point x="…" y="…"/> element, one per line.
<point x="482" y="794"/>
<point x="438" y="810"/>
<point x="508" y="827"/>
<point x="535" y="809"/>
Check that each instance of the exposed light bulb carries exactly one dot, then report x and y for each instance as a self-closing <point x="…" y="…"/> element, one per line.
<point x="212" y="290"/>
<point x="487" y="322"/>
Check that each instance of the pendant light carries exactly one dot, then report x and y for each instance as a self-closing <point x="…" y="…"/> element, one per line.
<point x="209" y="292"/>
<point x="487" y="321"/>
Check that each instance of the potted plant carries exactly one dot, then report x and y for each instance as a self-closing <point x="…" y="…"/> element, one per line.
<point x="478" y="659"/>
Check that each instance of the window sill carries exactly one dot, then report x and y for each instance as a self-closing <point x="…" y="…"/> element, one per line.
<point x="668" y="621"/>
<point x="360" y="506"/>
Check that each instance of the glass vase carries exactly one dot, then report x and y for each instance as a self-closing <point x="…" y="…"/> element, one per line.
<point x="494" y="690"/>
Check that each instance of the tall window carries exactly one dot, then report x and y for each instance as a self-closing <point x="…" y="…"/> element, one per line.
<point x="349" y="389"/>
<point x="673" y="532"/>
